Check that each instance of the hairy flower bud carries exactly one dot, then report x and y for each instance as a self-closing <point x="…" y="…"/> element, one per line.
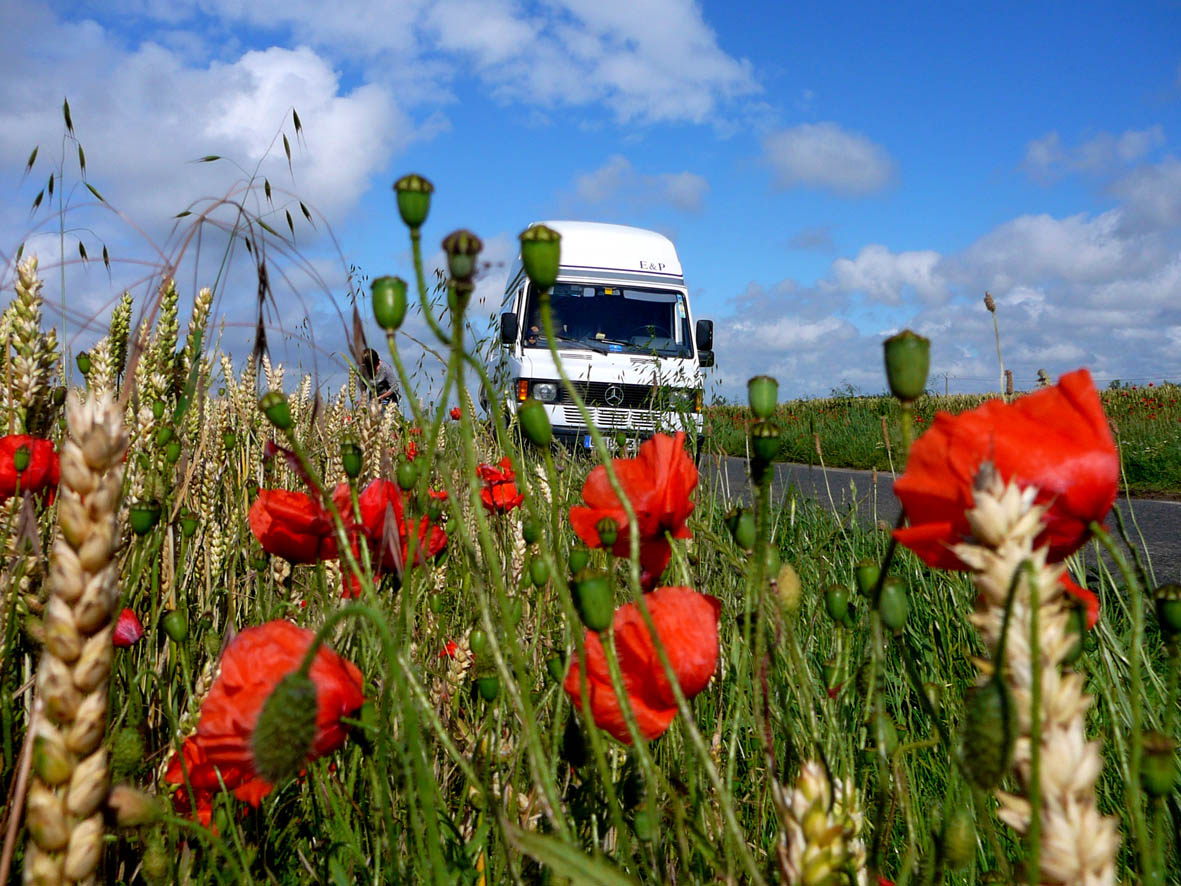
<point x="286" y="728"/>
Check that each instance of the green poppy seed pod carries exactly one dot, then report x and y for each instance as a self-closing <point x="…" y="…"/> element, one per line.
<point x="488" y="687"/>
<point x="608" y="531"/>
<point x="741" y="523"/>
<point x="414" y="199"/>
<point x="286" y="728"/>
<point x="144" y="515"/>
<point x="763" y="393"/>
<point x="163" y="435"/>
<point x="836" y="602"/>
<point x="988" y="733"/>
<point x="541" y="249"/>
<point x="555" y="667"/>
<point x="172" y="452"/>
<point x="535" y="422"/>
<point x="83" y="361"/>
<point x="389" y="302"/>
<point x="530" y="531"/>
<point x="764" y="441"/>
<point x="595" y="600"/>
<point x="406" y="474"/>
<point x="478" y="642"/>
<point x="275" y="407"/>
<point x="867" y="573"/>
<point x="158" y="409"/>
<point x="462" y="248"/>
<point x="908" y="358"/>
<point x="21" y="459"/>
<point x="176" y="625"/>
<point x="350" y="458"/>
<point x="959" y="840"/>
<point x="893" y="604"/>
<point x="1158" y="769"/>
<point x="188" y="524"/>
<point x="1168" y="609"/>
<point x="229" y="440"/>
<point x="58" y="395"/>
<point x="434" y="510"/>
<point x="579" y="557"/>
<point x="538" y="572"/>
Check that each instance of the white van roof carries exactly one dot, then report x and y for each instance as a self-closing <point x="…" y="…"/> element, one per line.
<point x="594" y="245"/>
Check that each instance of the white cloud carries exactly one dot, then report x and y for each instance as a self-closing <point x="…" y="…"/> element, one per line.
<point x="1152" y="194"/>
<point x="617" y="182"/>
<point x="1047" y="159"/>
<point x="826" y="157"/>
<point x="884" y="275"/>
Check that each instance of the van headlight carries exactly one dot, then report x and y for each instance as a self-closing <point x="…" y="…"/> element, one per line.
<point x="545" y="391"/>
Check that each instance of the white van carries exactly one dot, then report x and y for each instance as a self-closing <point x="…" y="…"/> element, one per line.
<point x="625" y="336"/>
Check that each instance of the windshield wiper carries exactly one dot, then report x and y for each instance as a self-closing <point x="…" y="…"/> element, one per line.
<point x="589" y="345"/>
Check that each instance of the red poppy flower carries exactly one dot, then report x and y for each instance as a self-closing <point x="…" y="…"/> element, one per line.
<point x="449" y="649"/>
<point x="379" y="501"/>
<point x="251" y="666"/>
<point x="658" y="483"/>
<point x="41" y="474"/>
<point x="411" y="451"/>
<point x="1083" y="597"/>
<point x="456" y="413"/>
<point x="128" y="629"/>
<point x="1055" y="439"/>
<point x="500" y="494"/>
<point x="687" y="624"/>
<point x="292" y="526"/>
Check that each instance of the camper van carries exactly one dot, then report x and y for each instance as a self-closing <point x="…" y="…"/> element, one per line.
<point x="624" y="333"/>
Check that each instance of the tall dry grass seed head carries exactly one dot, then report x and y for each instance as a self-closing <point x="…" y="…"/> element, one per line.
<point x="1078" y="844"/>
<point x="69" y="719"/>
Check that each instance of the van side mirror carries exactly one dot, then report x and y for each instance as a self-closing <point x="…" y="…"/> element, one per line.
<point x="705" y="359"/>
<point x="705" y="335"/>
<point x="508" y="328"/>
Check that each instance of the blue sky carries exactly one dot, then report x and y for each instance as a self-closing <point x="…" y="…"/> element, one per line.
<point x="829" y="175"/>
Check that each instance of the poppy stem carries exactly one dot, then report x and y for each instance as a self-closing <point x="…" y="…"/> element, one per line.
<point x="1034" y="842"/>
<point x="1132" y="795"/>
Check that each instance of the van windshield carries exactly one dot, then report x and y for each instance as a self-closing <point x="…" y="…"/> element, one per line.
<point x="613" y="319"/>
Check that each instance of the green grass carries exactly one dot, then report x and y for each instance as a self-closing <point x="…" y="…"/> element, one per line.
<point x="852" y="431"/>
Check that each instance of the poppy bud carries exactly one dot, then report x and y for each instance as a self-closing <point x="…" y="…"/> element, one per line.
<point x="157" y="409"/>
<point x="407" y="474"/>
<point x="350" y="458"/>
<point x="127" y="754"/>
<point x="789" y="588"/>
<point x="885" y="733"/>
<point x="764" y="441"/>
<point x="133" y="808"/>
<point x="172" y="452"/>
<point x="478" y="642"/>
<point x="556" y="668"/>
<point x="434" y="510"/>
<point x="541" y="255"/>
<point x="867" y="573"/>
<point x="276" y="408"/>
<point x="188" y="523"/>
<point x="176" y="626"/>
<point x="83" y="361"/>
<point x="163" y="435"/>
<point x="229" y="440"/>
<point x="144" y="515"/>
<point x="58" y="396"/>
<point x="1168" y="609"/>
<point x="128" y="629"/>
<point x="389" y="302"/>
<point x="462" y="247"/>
<point x="988" y="733"/>
<point x="836" y="602"/>
<point x="741" y="523"/>
<point x="908" y="358"/>
<point x="763" y="393"/>
<point x="530" y="531"/>
<point x="579" y="557"/>
<point x="488" y="687"/>
<point x="893" y="604"/>
<point x="156" y="863"/>
<point x="1158" y="770"/>
<point x="538" y="572"/>
<point x="959" y="841"/>
<point x="595" y="600"/>
<point x="535" y="423"/>
<point x="414" y="199"/>
<point x="608" y="531"/>
<point x="21" y="459"/>
<point x="286" y="728"/>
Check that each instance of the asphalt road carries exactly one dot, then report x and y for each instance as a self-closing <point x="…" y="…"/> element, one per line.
<point x="1159" y="522"/>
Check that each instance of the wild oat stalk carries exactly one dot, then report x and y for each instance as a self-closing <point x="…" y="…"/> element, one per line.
<point x="1077" y="845"/>
<point x="69" y="760"/>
